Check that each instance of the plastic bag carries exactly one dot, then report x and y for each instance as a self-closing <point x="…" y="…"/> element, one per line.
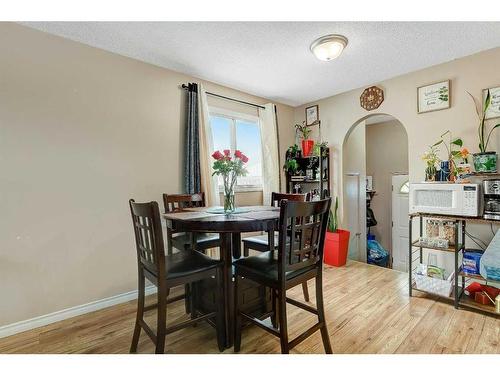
<point x="489" y="265"/>
<point x="377" y="254"/>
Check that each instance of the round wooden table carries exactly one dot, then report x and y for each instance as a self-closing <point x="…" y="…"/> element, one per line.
<point x="229" y="228"/>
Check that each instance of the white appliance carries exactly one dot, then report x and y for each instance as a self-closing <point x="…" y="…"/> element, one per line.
<point x="445" y="198"/>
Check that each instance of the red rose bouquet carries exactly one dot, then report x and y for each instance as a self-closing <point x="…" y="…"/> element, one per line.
<point x="229" y="167"/>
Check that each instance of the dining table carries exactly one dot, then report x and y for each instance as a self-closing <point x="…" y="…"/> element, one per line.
<point x="230" y="228"/>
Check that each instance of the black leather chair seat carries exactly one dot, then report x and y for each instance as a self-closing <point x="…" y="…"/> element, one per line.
<point x="264" y="267"/>
<point x="182" y="241"/>
<point x="184" y="263"/>
<point x="263" y="239"/>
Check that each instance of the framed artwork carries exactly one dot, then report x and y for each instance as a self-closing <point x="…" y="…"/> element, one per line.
<point x="434" y="97"/>
<point x="312" y="115"/>
<point x="494" y="108"/>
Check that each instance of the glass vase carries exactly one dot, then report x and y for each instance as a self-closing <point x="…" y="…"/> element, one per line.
<point x="229" y="183"/>
<point x="229" y="206"/>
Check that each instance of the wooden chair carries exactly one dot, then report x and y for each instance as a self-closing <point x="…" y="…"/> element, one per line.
<point x="261" y="243"/>
<point x="185" y="241"/>
<point x="168" y="271"/>
<point x="299" y="258"/>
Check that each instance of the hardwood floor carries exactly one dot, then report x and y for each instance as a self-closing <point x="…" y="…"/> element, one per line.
<point x="367" y="309"/>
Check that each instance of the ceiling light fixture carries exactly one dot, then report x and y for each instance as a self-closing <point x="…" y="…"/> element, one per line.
<point x="329" y="47"/>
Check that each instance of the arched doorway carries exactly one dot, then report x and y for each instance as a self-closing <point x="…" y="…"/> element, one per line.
<point x="374" y="151"/>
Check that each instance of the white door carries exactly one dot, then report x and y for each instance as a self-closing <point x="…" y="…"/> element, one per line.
<point x="400" y="206"/>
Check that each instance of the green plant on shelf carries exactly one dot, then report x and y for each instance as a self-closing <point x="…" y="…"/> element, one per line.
<point x="291" y="166"/>
<point x="317" y="148"/>
<point x="304" y="130"/>
<point x="293" y="151"/>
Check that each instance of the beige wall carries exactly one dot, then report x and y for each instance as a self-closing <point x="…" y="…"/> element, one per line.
<point x="386" y="154"/>
<point x="82" y="131"/>
<point x="473" y="73"/>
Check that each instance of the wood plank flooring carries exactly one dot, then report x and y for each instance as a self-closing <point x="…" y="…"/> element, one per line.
<point x="367" y="308"/>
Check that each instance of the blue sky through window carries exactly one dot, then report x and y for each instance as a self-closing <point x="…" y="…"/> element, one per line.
<point x="246" y="139"/>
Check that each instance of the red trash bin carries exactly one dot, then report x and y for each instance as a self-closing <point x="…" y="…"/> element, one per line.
<point x="336" y="247"/>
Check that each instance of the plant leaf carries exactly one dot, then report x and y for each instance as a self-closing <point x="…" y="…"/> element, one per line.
<point x="475" y="104"/>
<point x="489" y="135"/>
<point x="487" y="102"/>
<point x="458" y="142"/>
<point x="437" y="143"/>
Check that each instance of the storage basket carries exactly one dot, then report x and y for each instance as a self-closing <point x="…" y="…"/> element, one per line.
<point x="435" y="286"/>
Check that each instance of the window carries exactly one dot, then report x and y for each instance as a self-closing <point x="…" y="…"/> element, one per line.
<point x="405" y="188"/>
<point x="236" y="131"/>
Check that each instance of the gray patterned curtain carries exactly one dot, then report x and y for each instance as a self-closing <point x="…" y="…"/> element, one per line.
<point x="192" y="176"/>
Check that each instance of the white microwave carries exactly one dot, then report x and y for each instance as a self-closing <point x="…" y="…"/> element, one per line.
<point x="445" y="198"/>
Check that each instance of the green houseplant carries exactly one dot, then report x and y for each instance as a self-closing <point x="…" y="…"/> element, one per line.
<point x="317" y="148"/>
<point x="336" y="240"/>
<point x="291" y="166"/>
<point x="305" y="132"/>
<point x="484" y="161"/>
<point x="452" y="154"/>
<point x="432" y="161"/>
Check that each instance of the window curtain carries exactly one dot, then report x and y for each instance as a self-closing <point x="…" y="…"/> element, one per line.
<point x="208" y="182"/>
<point x="270" y="152"/>
<point x="192" y="174"/>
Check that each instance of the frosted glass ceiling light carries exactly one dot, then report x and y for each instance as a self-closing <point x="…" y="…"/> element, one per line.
<point x="328" y="47"/>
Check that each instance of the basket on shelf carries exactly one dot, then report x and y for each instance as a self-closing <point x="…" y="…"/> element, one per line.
<point x="435" y="286"/>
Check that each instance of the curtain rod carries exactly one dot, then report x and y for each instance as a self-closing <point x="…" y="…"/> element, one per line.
<point x="185" y="87"/>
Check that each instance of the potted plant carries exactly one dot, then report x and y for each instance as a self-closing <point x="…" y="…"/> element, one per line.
<point x="293" y="152"/>
<point x="317" y="148"/>
<point x="484" y="161"/>
<point x="229" y="168"/>
<point x="291" y="166"/>
<point x="307" y="144"/>
<point x="336" y="240"/>
<point x="432" y="160"/>
<point x="450" y="169"/>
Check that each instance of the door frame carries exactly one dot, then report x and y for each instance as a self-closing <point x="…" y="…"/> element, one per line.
<point x="393" y="174"/>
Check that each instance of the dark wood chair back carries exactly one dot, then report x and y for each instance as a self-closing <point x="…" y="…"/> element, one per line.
<point x="304" y="223"/>
<point x="276" y="198"/>
<point x="177" y="202"/>
<point x="148" y="238"/>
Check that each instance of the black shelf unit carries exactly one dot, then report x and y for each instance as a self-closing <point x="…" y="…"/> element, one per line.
<point x="320" y="167"/>
<point x="458" y="298"/>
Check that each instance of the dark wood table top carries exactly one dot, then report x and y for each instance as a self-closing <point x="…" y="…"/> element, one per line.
<point x="254" y="218"/>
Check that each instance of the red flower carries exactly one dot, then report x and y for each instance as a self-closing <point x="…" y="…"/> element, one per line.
<point x="244" y="158"/>
<point x="217" y="155"/>
<point x="237" y="154"/>
<point x="227" y="152"/>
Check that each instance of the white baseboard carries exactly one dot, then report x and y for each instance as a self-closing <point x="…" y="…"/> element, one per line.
<point x="40" y="321"/>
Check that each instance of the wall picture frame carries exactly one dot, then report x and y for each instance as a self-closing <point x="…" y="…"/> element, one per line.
<point x="434" y="97"/>
<point x="312" y="115"/>
<point x="494" y="108"/>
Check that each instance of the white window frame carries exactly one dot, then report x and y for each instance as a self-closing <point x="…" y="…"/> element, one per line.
<point x="233" y="116"/>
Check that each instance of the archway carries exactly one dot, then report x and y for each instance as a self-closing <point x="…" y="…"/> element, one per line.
<point x="374" y="150"/>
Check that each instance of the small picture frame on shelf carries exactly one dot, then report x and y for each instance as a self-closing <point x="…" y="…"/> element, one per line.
<point x="312" y="115"/>
<point x="494" y="108"/>
<point x="434" y="97"/>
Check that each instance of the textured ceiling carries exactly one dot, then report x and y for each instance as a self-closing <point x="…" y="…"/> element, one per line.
<point x="272" y="59"/>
